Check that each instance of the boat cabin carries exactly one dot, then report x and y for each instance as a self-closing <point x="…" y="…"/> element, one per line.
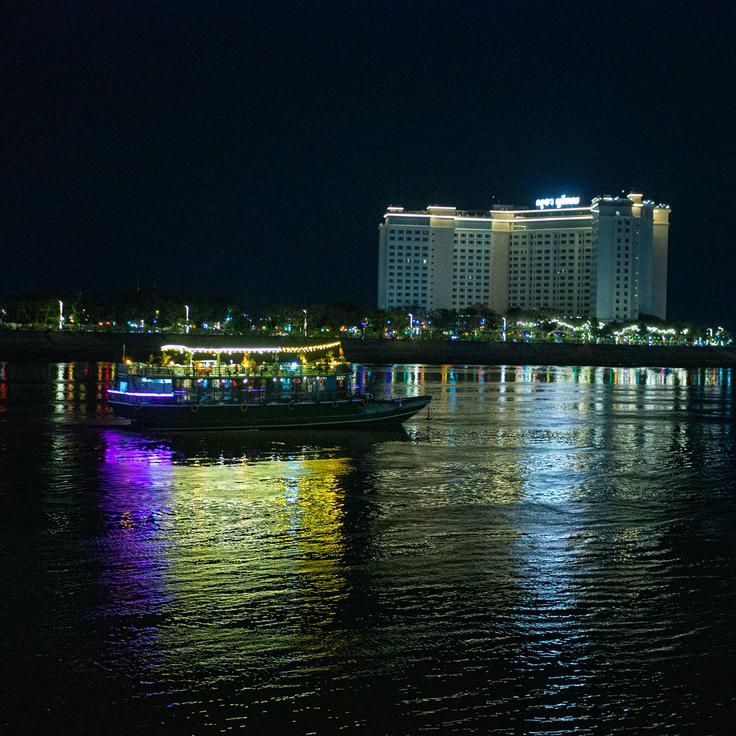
<point x="237" y="375"/>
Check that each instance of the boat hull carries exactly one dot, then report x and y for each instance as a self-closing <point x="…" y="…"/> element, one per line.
<point x="271" y="415"/>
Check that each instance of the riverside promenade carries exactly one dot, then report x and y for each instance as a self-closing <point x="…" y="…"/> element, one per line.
<point x="53" y="346"/>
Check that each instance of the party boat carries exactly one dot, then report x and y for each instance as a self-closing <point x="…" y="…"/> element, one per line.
<point x="243" y="387"/>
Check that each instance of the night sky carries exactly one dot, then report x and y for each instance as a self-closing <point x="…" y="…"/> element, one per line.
<point x="250" y="148"/>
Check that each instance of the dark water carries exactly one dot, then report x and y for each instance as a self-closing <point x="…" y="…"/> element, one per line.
<point x="553" y="553"/>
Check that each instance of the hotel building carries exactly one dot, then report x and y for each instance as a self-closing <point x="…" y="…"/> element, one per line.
<point x="607" y="259"/>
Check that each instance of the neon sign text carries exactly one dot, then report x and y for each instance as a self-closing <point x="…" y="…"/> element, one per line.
<point x="561" y="201"/>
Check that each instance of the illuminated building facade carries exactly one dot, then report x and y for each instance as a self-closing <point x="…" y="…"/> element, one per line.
<point x="608" y="258"/>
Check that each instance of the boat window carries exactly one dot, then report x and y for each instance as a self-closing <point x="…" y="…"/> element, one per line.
<point x="157" y="385"/>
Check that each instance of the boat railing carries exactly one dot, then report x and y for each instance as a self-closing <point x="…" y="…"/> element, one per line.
<point x="232" y="371"/>
<point x="243" y="398"/>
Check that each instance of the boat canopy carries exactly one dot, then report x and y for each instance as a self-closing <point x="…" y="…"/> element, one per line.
<point x="248" y="349"/>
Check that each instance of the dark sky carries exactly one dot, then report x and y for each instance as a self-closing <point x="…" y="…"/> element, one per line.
<point x="251" y="147"/>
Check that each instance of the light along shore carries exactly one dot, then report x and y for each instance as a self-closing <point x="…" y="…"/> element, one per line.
<point x="54" y="346"/>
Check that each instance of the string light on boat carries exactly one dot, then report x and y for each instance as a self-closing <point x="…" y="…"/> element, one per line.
<point x="247" y="349"/>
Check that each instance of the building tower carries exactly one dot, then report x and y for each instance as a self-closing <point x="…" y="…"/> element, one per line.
<point x="607" y="259"/>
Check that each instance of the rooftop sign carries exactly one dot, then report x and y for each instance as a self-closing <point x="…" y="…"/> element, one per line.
<point x="562" y="201"/>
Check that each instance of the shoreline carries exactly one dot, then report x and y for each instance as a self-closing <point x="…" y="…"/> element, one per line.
<point x="52" y="346"/>
<point x="559" y="354"/>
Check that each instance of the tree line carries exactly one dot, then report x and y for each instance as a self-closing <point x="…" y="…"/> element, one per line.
<point x="149" y="310"/>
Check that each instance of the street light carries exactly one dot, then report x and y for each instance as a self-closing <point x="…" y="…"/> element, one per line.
<point x="61" y="314"/>
<point x="305" y="322"/>
<point x="186" y="318"/>
<point x="411" y="324"/>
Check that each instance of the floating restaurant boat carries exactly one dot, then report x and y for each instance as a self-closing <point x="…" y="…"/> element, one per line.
<point x="193" y="387"/>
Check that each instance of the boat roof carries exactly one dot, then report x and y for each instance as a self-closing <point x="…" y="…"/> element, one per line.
<point x="242" y="349"/>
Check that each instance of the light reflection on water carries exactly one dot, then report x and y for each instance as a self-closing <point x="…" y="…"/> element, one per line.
<point x="550" y="552"/>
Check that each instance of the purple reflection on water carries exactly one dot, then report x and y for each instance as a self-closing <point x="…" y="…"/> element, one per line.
<point x="136" y="485"/>
<point x="3" y="388"/>
<point x="135" y="457"/>
<point x="136" y="478"/>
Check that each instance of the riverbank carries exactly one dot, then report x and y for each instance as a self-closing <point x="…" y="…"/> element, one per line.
<point x="106" y="346"/>
<point x="498" y="353"/>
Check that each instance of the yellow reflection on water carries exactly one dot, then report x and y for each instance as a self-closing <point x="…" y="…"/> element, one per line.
<point x="59" y="405"/>
<point x="255" y="559"/>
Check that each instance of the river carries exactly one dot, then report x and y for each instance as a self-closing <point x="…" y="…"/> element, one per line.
<point x="551" y="551"/>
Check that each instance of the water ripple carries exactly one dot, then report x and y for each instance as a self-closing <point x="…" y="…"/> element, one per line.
<point x="550" y="553"/>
